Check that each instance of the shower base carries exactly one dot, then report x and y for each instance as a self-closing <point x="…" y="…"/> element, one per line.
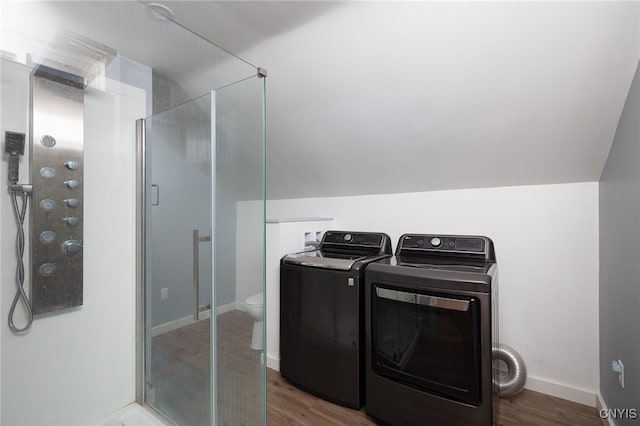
<point x="131" y="415"/>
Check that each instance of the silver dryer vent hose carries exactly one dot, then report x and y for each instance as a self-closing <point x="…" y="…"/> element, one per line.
<point x="516" y="376"/>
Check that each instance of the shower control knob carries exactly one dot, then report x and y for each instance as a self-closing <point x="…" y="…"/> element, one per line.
<point x="73" y="221"/>
<point x="72" y="202"/>
<point x="436" y="242"/>
<point x="72" y="165"/>
<point x="71" y="247"/>
<point x="72" y="183"/>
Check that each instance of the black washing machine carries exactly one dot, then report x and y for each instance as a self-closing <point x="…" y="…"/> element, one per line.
<point x="431" y="323"/>
<point x="322" y="315"/>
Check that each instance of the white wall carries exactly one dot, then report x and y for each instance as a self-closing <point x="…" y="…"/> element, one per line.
<point x="546" y="240"/>
<point x="76" y="366"/>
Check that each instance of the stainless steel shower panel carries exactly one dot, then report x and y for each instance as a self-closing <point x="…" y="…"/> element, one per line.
<point x="57" y="134"/>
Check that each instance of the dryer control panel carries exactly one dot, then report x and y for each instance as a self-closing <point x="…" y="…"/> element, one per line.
<point x="446" y="245"/>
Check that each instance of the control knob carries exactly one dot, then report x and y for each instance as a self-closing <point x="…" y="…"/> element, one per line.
<point x="71" y="247"/>
<point x="72" y="202"/>
<point x="436" y="242"/>
<point x="72" y="165"/>
<point x="72" y="221"/>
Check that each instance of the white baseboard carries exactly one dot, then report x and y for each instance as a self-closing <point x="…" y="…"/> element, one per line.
<point x="183" y="322"/>
<point x="273" y="363"/>
<point x="233" y="306"/>
<point x="602" y="405"/>
<point x="561" y="391"/>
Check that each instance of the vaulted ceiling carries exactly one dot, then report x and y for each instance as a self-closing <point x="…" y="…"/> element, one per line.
<point x="384" y="97"/>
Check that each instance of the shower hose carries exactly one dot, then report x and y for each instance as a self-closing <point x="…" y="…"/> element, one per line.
<point x="20" y="210"/>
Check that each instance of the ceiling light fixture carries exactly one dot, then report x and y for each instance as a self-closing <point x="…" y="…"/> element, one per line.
<point x="160" y="12"/>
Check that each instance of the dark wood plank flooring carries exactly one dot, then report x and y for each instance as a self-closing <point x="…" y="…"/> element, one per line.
<point x="183" y="355"/>
<point x="180" y="373"/>
<point x="287" y="405"/>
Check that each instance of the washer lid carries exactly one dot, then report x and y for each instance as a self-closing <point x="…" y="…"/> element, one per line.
<point x="314" y="258"/>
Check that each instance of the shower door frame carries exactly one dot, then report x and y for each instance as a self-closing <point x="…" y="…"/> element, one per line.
<point x="141" y="256"/>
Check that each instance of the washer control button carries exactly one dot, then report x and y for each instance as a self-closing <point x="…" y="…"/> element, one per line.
<point x="348" y="237"/>
<point x="436" y="242"/>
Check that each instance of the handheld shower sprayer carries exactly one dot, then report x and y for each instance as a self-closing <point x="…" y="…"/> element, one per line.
<point x="14" y="146"/>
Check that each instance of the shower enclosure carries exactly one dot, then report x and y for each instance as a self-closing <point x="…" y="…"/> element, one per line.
<point x="173" y="220"/>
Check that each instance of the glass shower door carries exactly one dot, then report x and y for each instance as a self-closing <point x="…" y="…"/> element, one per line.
<point x="179" y="262"/>
<point x="204" y="257"/>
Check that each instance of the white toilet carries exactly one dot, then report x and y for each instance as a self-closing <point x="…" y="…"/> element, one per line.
<point x="254" y="306"/>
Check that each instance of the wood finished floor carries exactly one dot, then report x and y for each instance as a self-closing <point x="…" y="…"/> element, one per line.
<point x="180" y="373"/>
<point x="184" y="354"/>
<point x="288" y="405"/>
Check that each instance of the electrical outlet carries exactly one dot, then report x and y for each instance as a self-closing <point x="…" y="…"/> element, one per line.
<point x="164" y="293"/>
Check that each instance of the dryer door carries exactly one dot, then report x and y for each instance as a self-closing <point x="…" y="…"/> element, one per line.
<point x="427" y="340"/>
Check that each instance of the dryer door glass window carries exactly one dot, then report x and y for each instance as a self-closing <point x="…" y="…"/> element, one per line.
<point x="427" y="340"/>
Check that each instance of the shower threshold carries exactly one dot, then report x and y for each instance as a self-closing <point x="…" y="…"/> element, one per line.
<point x="132" y="415"/>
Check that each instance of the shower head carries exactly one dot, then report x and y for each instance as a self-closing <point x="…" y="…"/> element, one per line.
<point x="75" y="54"/>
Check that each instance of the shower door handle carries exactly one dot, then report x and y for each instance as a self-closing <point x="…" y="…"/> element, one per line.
<point x="157" y="188"/>
<point x="197" y="239"/>
<point x="196" y="275"/>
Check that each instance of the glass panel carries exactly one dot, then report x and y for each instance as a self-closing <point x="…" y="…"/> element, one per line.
<point x="239" y="253"/>
<point x="178" y="144"/>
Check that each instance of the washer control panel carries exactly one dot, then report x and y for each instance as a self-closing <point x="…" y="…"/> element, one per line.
<point x="356" y="243"/>
<point x="353" y="238"/>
